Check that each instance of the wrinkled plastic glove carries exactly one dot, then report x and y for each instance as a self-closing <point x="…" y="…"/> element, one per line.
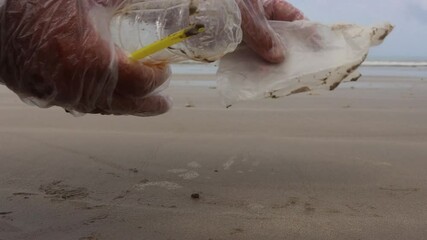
<point x="60" y="53"/>
<point x="257" y="32"/>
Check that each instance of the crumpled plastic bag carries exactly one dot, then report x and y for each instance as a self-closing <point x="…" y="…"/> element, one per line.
<point x="318" y="56"/>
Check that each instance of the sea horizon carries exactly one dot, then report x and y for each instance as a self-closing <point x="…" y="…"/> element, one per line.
<point x="391" y="67"/>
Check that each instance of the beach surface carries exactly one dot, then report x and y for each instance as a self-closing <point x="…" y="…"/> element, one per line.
<point x="347" y="164"/>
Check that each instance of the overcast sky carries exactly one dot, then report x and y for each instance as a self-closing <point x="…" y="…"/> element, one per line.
<point x="409" y="40"/>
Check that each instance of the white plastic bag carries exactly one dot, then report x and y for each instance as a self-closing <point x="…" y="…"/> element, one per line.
<point x="317" y="57"/>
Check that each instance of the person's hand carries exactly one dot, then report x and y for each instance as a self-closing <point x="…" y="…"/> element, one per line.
<point x="258" y="34"/>
<point x="60" y="53"/>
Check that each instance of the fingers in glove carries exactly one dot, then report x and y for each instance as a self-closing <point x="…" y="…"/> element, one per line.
<point x="136" y="79"/>
<point x="258" y="34"/>
<point x="146" y="106"/>
<point x="282" y="10"/>
<point x="55" y="54"/>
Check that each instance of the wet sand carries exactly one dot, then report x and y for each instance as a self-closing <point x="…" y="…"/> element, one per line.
<point x="348" y="164"/>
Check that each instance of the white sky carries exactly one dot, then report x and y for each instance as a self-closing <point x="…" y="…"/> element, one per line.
<point x="409" y="40"/>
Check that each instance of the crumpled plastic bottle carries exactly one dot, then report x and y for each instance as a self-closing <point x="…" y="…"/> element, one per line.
<point x="145" y="21"/>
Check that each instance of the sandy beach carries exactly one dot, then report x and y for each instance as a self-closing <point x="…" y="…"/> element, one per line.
<point x="347" y="164"/>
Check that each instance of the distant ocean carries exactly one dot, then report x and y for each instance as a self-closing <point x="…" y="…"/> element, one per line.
<point x="395" y="68"/>
<point x="386" y="68"/>
<point x="409" y="66"/>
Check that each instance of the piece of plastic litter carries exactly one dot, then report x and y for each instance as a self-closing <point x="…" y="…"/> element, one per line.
<point x="318" y="56"/>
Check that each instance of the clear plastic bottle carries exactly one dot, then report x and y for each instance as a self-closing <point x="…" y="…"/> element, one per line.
<point x="145" y="21"/>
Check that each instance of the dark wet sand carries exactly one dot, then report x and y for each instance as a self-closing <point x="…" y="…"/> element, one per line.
<point x="349" y="164"/>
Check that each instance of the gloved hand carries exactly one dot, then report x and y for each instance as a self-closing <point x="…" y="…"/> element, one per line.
<point x="60" y="53"/>
<point x="258" y="34"/>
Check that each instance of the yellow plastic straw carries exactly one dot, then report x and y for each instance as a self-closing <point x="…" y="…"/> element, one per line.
<point x="167" y="41"/>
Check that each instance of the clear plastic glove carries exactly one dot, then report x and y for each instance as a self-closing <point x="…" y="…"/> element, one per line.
<point x="257" y="32"/>
<point x="60" y="53"/>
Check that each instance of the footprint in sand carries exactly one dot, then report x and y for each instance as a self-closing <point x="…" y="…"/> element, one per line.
<point x="164" y="184"/>
<point x="227" y="165"/>
<point x="58" y="191"/>
<point x="187" y="174"/>
<point x="178" y="170"/>
<point x="194" y="165"/>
